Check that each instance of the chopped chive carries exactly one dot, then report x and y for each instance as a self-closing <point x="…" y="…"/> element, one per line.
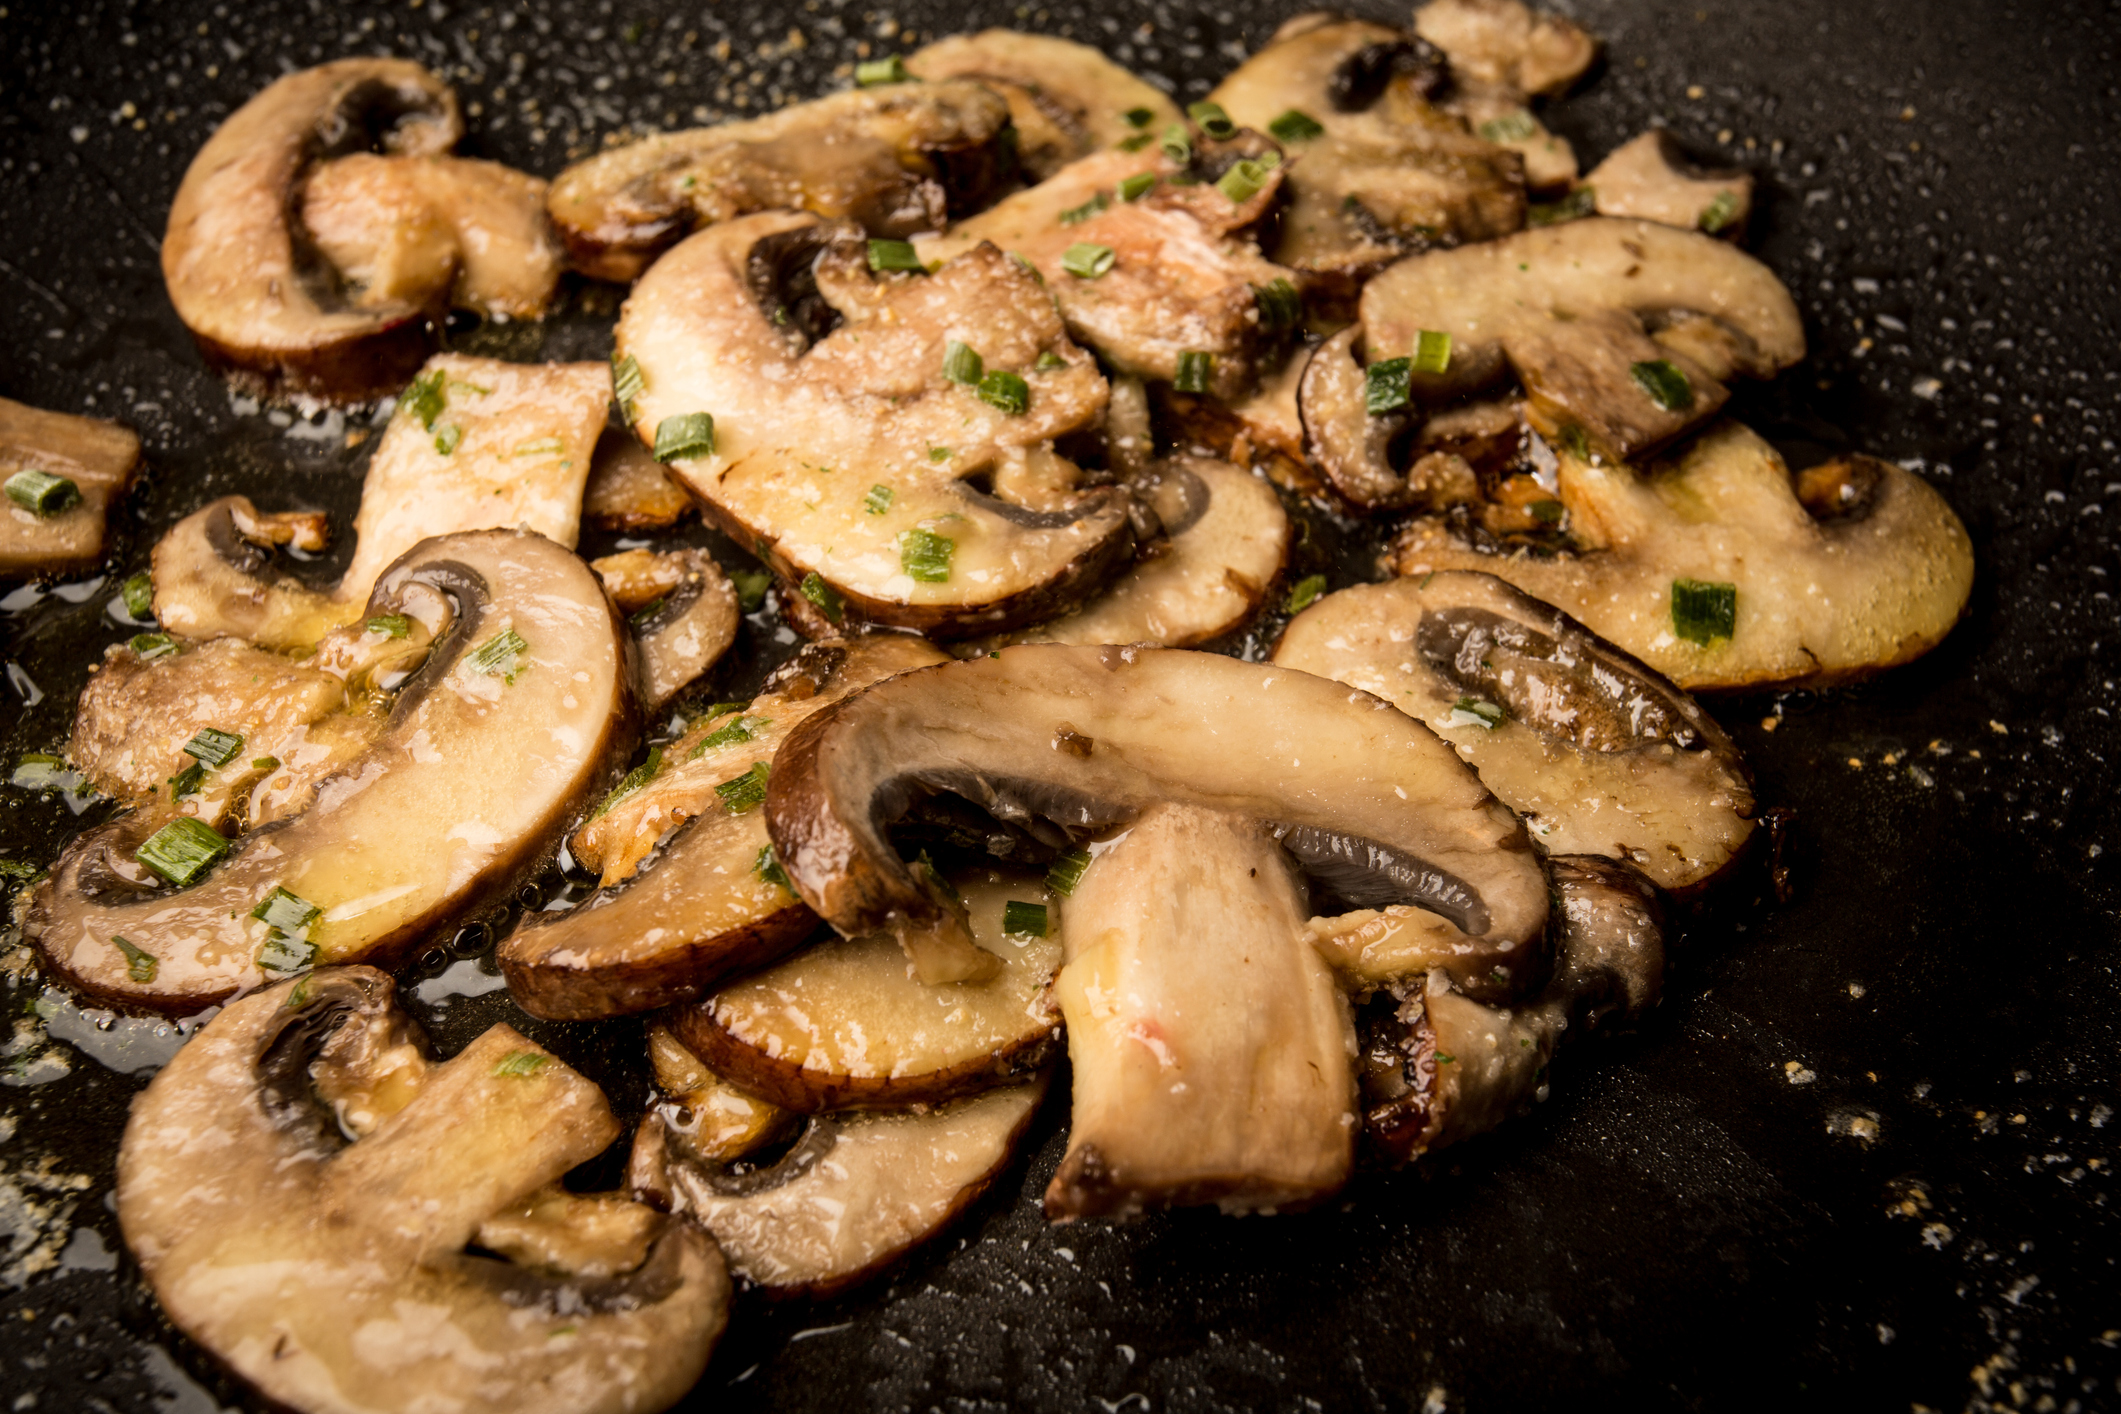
<point x="288" y="911"/>
<point x="1139" y="117"/>
<point x="518" y="1064"/>
<point x="543" y="447"/>
<point x="769" y="870"/>
<point x="1075" y="215"/>
<point x="139" y="592"/>
<point x="140" y="964"/>
<point x="1280" y="306"/>
<point x="1446" y="1058"/>
<point x="635" y="779"/>
<point x="1212" y="119"/>
<point x="1176" y="145"/>
<point x="1388" y="385"/>
<point x="751" y="587"/>
<point x="280" y="953"/>
<point x="1666" y="385"/>
<point x="871" y="72"/>
<point x="1575" y="441"/>
<point x="736" y="733"/>
<point x="1067" y="871"/>
<point x="639" y="617"/>
<point x="626" y="384"/>
<point x="688" y="435"/>
<point x="1136" y="143"/>
<point x="1195" y="370"/>
<point x="1136" y="187"/>
<point x="823" y="597"/>
<point x="938" y="454"/>
<point x="1086" y="260"/>
<point x="182" y="850"/>
<point x="746" y="792"/>
<point x="187" y="781"/>
<point x="1510" y="127"/>
<point x="213" y="746"/>
<point x="264" y="763"/>
<point x="389" y="625"/>
<point x="1048" y="360"/>
<point x="1704" y="610"/>
<point x="714" y="710"/>
<point x="925" y="556"/>
<point x="1024" y="920"/>
<point x="879" y="499"/>
<point x="1295" y="125"/>
<point x="1720" y="212"/>
<point x="1547" y="512"/>
<point x="42" y="492"/>
<point x="150" y="646"/>
<point x="895" y="255"/>
<point x="449" y="438"/>
<point x="1432" y="351"/>
<point x="962" y="363"/>
<point x="1243" y="181"/>
<point x="426" y="398"/>
<point x="1306" y="592"/>
<point x="1006" y="391"/>
<point x="1576" y="205"/>
<point x="1477" y="712"/>
<point x="496" y="657"/>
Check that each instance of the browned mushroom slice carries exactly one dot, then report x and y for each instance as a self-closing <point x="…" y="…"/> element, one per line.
<point x="1067" y="100"/>
<point x="895" y="159"/>
<point x="1596" y="752"/>
<point x="341" y="1276"/>
<point x="1651" y="178"/>
<point x="683" y="613"/>
<point x="1211" y="1046"/>
<point x="843" y="1024"/>
<point x="1506" y="42"/>
<point x="214" y="576"/>
<point x="851" y="459"/>
<point x="489" y="748"/>
<point x="62" y="475"/>
<point x="690" y="891"/>
<point x="705" y="1116"/>
<point x="628" y="488"/>
<point x="852" y="1195"/>
<point x="1263" y="430"/>
<point x="1503" y="115"/>
<point x="1377" y="460"/>
<point x="1718" y="569"/>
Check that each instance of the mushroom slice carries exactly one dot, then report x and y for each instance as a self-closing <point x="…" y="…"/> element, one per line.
<point x="46" y="528"/>
<point x="1651" y="178"/>
<point x="1840" y="572"/>
<point x="1503" y="115"/>
<point x="1622" y="330"/>
<point x="490" y="746"/>
<point x="851" y="1196"/>
<point x="214" y="576"/>
<point x="1438" y="1067"/>
<point x="1066" y="743"/>
<point x="1360" y="452"/>
<point x="336" y="1276"/>
<point x="1211" y="1047"/>
<point x="1262" y="430"/>
<point x="1067" y="100"/>
<point x="707" y="1117"/>
<point x="683" y="613"/>
<point x="844" y="1024"/>
<point x="894" y="159"/>
<point x="1595" y="751"/>
<point x="628" y="488"/>
<point x="1506" y="42"/>
<point x="851" y="459"/>
<point x="690" y="891"/>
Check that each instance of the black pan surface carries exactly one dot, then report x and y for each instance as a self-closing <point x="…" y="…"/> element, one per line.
<point x="1863" y="1156"/>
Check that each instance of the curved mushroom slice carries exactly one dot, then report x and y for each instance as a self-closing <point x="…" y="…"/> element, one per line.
<point x="683" y="613"/>
<point x="1067" y="100"/>
<point x="628" y="488"/>
<point x="845" y="1024"/>
<point x="706" y="1117"/>
<point x="690" y="890"/>
<point x="896" y="159"/>
<point x="1065" y="743"/>
<point x="1720" y="570"/>
<point x="489" y="748"/>
<point x="849" y="458"/>
<point x="1506" y="42"/>
<point x="1374" y="460"/>
<point x="62" y="474"/>
<point x="1212" y="1048"/>
<point x="334" y="1276"/>
<point x="214" y="577"/>
<point x="1262" y="430"/>
<point x="1438" y="1067"/>
<point x="853" y="1195"/>
<point x="1596" y="752"/>
<point x="1651" y="178"/>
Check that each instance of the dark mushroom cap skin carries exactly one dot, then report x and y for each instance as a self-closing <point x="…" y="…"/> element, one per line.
<point x="99" y="457"/>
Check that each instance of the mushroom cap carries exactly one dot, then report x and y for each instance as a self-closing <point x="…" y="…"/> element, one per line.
<point x="100" y="458"/>
<point x="1507" y="42"/>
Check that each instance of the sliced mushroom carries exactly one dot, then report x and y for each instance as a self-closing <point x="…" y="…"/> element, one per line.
<point x="1503" y="115"/>
<point x="1263" y="430"/>
<point x="628" y="488"/>
<point x="895" y="160"/>
<point x="214" y="576"/>
<point x="1596" y="752"/>
<point x="683" y="613"/>
<point x="1845" y="570"/>
<point x="338" y="1276"/>
<point x="690" y="893"/>
<point x="46" y="528"/>
<point x="851" y="1196"/>
<point x="705" y="1116"/>
<point x="850" y="456"/>
<point x="1374" y="461"/>
<point x="1067" y="100"/>
<point x="1211" y="1047"/>
<point x="490" y="747"/>
<point x="844" y="1024"/>
<point x="1507" y="42"/>
<point x="1652" y="179"/>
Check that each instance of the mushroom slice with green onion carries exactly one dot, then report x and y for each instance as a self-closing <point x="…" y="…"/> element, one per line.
<point x="1370" y="450"/>
<point x="682" y="609"/>
<point x="62" y="476"/>
<point x="339" y="1276"/>
<point x="1651" y="179"/>
<point x="895" y="160"/>
<point x="1507" y="42"/>
<point x="945" y="390"/>
<point x="1719" y="569"/>
<point x="1503" y="115"/>
<point x="1595" y="751"/>
<point x="690" y="891"/>
<point x="629" y="489"/>
<point x="490" y="746"/>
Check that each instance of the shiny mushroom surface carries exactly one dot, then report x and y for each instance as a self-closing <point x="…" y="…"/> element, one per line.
<point x="1650" y="178"/>
<point x="683" y="612"/>
<point x="63" y="477"/>
<point x="628" y="488"/>
<point x="1508" y="42"/>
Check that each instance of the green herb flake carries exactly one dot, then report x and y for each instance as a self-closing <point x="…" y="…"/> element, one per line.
<point x="871" y="72"/>
<point x="213" y="746"/>
<point x="1243" y="181"/>
<point x="543" y="447"/>
<point x="139" y="592"/>
<point x="299" y="996"/>
<point x="1547" y="512"/>
<point x="265" y="763"/>
<point x="1432" y="351"/>
<point x="1139" y="117"/>
<point x="140" y="964"/>
<point x="1719" y="213"/>
<point x="496" y="657"/>
<point x="1280" y="306"/>
<point x="1295" y="125"/>
<point x="626" y="385"/>
<point x="1136" y="143"/>
<point x="769" y="870"/>
<point x="1575" y="441"/>
<point x="751" y="587"/>
<point x="1195" y="370"/>
<point x="887" y="256"/>
<point x="1048" y="360"/>
<point x="1024" y="920"/>
<point x="1076" y="215"/>
<point x="426" y="398"/>
<point x="641" y="617"/>
<point x="962" y="363"/>
<point x="1510" y="127"/>
<point x="150" y="646"/>
<point x="1086" y="260"/>
<point x="520" y="1064"/>
<point x="746" y="792"/>
<point x="635" y="779"/>
<point x="736" y="733"/>
<point x="1665" y="384"/>
<point x="939" y="454"/>
<point x="1136" y="187"/>
<point x="925" y="556"/>
<point x="19" y="871"/>
<point x="1306" y="592"/>
<point x="685" y="436"/>
<point x="879" y="499"/>
<point x="823" y="597"/>
<point x="1176" y="145"/>
<point x="1474" y="711"/>
<point x="283" y="954"/>
<point x="1067" y="872"/>
<point x="1446" y="1058"/>
<point x="182" y="850"/>
<point x="449" y="438"/>
<point x="389" y="625"/>
<point x="1575" y="206"/>
<point x="1212" y="119"/>
<point x="1388" y="385"/>
<point x="1704" y="610"/>
<point x="187" y="781"/>
<point x="1007" y="391"/>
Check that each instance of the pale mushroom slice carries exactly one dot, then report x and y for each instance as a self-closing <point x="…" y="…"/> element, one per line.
<point x="62" y="476"/>
<point x="1503" y="115"/>
<point x="690" y="892"/>
<point x="1596" y="752"/>
<point x="844" y="1024"/>
<point x="1719" y="569"/>
<point x="1652" y="179"/>
<point x="893" y="159"/>
<point x="852" y="460"/>
<point x="214" y="576"/>
<point x="490" y="747"/>
<point x="1211" y="1046"/>
<point x="850" y="1197"/>
<point x="628" y="488"/>
<point x="340" y="1276"/>
<point x="682" y="609"/>
<point x="1066" y="100"/>
<point x="1506" y="42"/>
<point x="1066" y="744"/>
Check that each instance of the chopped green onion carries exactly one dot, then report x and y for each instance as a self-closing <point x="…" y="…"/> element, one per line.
<point x="37" y="771"/>
<point x="496" y="657"/>
<point x="1510" y="127"/>
<point x="626" y="384"/>
<point x="962" y="363"/>
<point x="426" y="398"/>
<point x="1575" y="441"/>
<point x="1176" y="145"/>
<point x="1136" y="187"/>
<point x="895" y="255"/>
<point x="1704" y="610"/>
<point x="1295" y="125"/>
<point x="264" y="763"/>
<point x="823" y="597"/>
<point x="299" y="996"/>
<point x="1446" y="1058"/>
<point x="751" y="587"/>
<point x="1067" y="871"/>
<point x="280" y="953"/>
<point x="1212" y="119"/>
<point x="938" y="454"/>
<point x="1048" y="360"/>
<point x="1075" y="215"/>
<point x="688" y="435"/>
<point x="1666" y="385"/>
<point x="1024" y="920"/>
<point x="389" y="625"/>
<point x="187" y="781"/>
<point x="1280" y="306"/>
<point x="213" y="746"/>
<point x="770" y="871"/>
<point x="182" y="850"/>
<point x="925" y="556"/>
<point x="1720" y="212"/>
<point x="150" y="646"/>
<point x="1306" y="592"/>
<point x="879" y="499"/>
<point x="717" y="709"/>
<point x="1006" y="391"/>
<point x="1136" y="143"/>
<point x="1577" y="204"/>
<point x="448" y="439"/>
<point x="289" y="912"/>
<point x="871" y="72"/>
<point x="1195" y="370"/>
<point x="736" y="733"/>
<point x="1388" y="385"/>
<point x="1243" y="181"/>
<point x="1086" y="260"/>
<point x="139" y="592"/>
<point x="543" y="447"/>
<point x="1475" y="712"/>
<point x="1547" y="512"/>
<point x="1139" y="117"/>
<point x="746" y="792"/>
<point x="19" y="871"/>
<point x="635" y="779"/>
<point x="1432" y="351"/>
<point x="518" y="1064"/>
<point x="42" y="492"/>
<point x="140" y="964"/>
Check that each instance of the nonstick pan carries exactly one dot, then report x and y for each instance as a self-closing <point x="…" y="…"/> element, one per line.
<point x="1864" y="1153"/>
